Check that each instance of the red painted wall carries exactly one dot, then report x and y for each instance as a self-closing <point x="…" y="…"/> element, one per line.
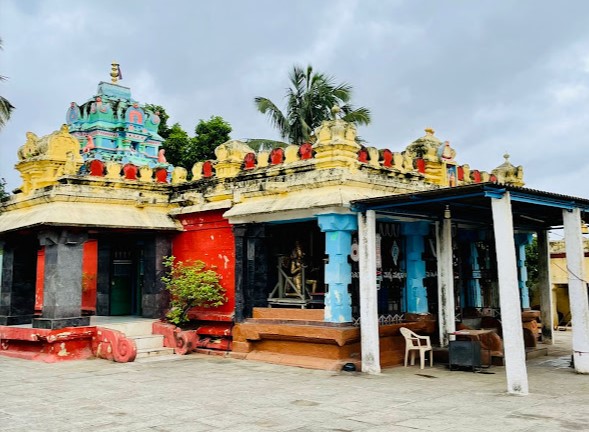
<point x="39" y="282"/>
<point x="89" y="276"/>
<point x="209" y="238"/>
<point x="89" y="271"/>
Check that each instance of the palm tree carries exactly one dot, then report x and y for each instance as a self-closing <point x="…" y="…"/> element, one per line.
<point x="310" y="98"/>
<point x="5" y="106"/>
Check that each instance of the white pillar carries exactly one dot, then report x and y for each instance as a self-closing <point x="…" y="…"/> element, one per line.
<point x="446" y="310"/>
<point x="545" y="286"/>
<point x="577" y="289"/>
<point x="370" y="341"/>
<point x="509" y="299"/>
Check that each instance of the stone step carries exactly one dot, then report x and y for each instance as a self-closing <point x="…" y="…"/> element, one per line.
<point x="137" y="327"/>
<point x="154" y="352"/>
<point x="159" y="358"/>
<point x="148" y="341"/>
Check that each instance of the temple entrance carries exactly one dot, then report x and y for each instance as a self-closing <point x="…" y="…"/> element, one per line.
<point x="297" y="259"/>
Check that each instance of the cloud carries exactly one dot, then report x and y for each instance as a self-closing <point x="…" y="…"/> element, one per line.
<point x="490" y="77"/>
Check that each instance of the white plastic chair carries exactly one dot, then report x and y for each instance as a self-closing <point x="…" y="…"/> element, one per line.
<point x="415" y="342"/>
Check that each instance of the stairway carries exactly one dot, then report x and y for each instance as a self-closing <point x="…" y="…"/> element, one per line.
<point x="149" y="346"/>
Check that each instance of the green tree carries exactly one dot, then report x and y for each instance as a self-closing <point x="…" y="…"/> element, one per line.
<point x="191" y="284"/>
<point x="209" y="134"/>
<point x="310" y="97"/>
<point x="3" y="193"/>
<point x="163" y="129"/>
<point x="5" y="106"/>
<point x="176" y="145"/>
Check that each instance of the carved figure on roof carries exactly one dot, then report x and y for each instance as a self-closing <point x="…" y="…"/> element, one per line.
<point x="70" y="167"/>
<point x="179" y="175"/>
<point x="509" y="174"/>
<point x="161" y="158"/>
<point x="407" y="161"/>
<point x="89" y="145"/>
<point x="73" y="113"/>
<point x="197" y="171"/>
<point x="155" y="118"/>
<point x="135" y="114"/>
<point x="446" y="153"/>
<point x="43" y="160"/>
<point x="425" y="147"/>
<point x="30" y="147"/>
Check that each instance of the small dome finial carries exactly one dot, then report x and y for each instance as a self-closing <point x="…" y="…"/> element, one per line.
<point x="115" y="72"/>
<point x="506" y="157"/>
<point x="335" y="110"/>
<point x="429" y="131"/>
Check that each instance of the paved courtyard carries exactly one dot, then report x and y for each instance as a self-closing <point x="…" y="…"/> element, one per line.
<point x="209" y="393"/>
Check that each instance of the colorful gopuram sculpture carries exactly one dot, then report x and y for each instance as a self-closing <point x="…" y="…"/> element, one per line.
<point x="117" y="133"/>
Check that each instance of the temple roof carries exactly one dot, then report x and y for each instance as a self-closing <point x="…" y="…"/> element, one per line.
<point x="532" y="209"/>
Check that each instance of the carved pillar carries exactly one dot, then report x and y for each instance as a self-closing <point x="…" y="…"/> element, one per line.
<point x="18" y="258"/>
<point x="338" y="231"/>
<point x="415" y="291"/>
<point x="62" y="293"/>
<point x="521" y="241"/>
<point x="251" y="269"/>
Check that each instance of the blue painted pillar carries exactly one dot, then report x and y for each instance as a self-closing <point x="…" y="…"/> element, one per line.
<point x="338" y="231"/>
<point x="474" y="283"/>
<point x="521" y="241"/>
<point x="415" y="292"/>
<point x="474" y="296"/>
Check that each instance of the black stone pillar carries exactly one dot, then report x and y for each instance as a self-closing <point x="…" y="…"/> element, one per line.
<point x="103" y="277"/>
<point x="251" y="269"/>
<point x="62" y="292"/>
<point x="18" y="262"/>
<point x="154" y="297"/>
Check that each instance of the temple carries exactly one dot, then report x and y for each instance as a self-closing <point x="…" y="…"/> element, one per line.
<point x="325" y="249"/>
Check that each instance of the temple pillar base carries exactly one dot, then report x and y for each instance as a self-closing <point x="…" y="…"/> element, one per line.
<point x="57" y="323"/>
<point x="8" y="320"/>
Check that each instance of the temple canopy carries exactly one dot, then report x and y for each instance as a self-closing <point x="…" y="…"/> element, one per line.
<point x="471" y="204"/>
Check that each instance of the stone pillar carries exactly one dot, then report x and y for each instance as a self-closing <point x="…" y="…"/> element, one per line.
<point x="62" y="291"/>
<point x="446" y="309"/>
<point x="370" y="339"/>
<point x="338" y="230"/>
<point x="103" y="276"/>
<point x="509" y="299"/>
<point x="154" y="298"/>
<point x="545" y="286"/>
<point x="521" y="241"/>
<point x="415" y="292"/>
<point x="17" y="281"/>
<point x="251" y="269"/>
<point x="577" y="289"/>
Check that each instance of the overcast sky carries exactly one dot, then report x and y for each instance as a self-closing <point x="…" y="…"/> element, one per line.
<point x="489" y="76"/>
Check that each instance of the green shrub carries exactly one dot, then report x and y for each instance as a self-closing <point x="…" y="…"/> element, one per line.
<point x="191" y="284"/>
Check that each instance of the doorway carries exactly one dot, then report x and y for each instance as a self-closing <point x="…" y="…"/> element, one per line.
<point x="124" y="287"/>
